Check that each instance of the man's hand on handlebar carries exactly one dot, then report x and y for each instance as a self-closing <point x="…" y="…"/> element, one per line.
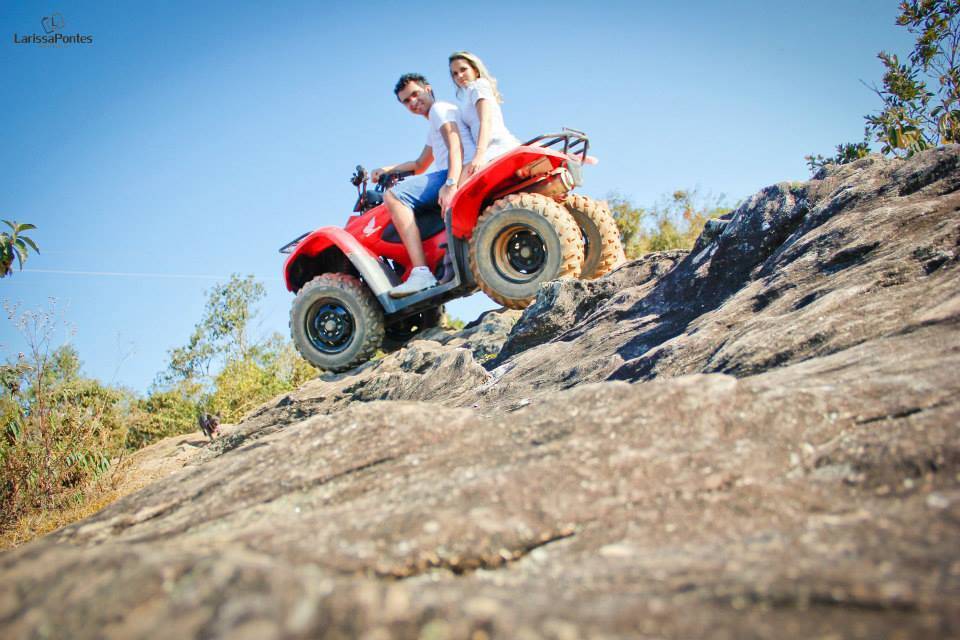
<point x="376" y="174"/>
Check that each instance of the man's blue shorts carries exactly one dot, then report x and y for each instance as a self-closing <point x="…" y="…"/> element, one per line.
<point x="420" y="192"/>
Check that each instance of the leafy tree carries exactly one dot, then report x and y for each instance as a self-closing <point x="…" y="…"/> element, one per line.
<point x="920" y="97"/>
<point x="222" y="369"/>
<point x="14" y="243"/>
<point x="230" y="308"/>
<point x="674" y="222"/>
<point x="222" y="333"/>
<point x="630" y="220"/>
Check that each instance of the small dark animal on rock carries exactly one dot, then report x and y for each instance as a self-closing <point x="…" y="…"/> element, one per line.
<point x="209" y="424"/>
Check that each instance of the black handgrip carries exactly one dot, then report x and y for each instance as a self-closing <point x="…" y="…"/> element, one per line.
<point x="359" y="177"/>
<point x="387" y="180"/>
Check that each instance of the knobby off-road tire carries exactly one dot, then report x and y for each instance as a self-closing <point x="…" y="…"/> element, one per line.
<point x="335" y="322"/>
<point x="602" y="247"/>
<point x="400" y="333"/>
<point x="521" y="241"/>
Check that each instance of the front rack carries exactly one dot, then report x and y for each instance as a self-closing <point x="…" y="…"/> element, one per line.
<point x="574" y="142"/>
<point x="288" y="248"/>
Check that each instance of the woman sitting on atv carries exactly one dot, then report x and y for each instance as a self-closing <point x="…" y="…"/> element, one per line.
<point x="480" y="110"/>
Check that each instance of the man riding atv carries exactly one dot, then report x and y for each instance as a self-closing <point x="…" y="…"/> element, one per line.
<point x="448" y="147"/>
<point x="510" y="227"/>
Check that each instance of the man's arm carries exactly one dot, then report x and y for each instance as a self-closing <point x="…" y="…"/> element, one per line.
<point x="451" y="138"/>
<point x="417" y="166"/>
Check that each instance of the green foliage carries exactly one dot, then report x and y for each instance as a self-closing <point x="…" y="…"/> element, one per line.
<point x="450" y="323"/>
<point x="265" y="371"/>
<point x="920" y="97"/>
<point x="846" y="153"/>
<point x="14" y="244"/>
<point x="59" y="430"/>
<point x="630" y="222"/>
<point x="222" y="333"/>
<point x="221" y="370"/>
<point x="164" y="413"/>
<point x="672" y="223"/>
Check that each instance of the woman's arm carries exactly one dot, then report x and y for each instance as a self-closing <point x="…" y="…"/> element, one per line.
<point x="483" y="139"/>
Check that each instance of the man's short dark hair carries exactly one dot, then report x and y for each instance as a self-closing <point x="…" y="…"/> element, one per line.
<point x="406" y="79"/>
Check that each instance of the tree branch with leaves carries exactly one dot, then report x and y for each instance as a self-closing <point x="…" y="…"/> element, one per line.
<point x="921" y="96"/>
<point x="14" y="244"/>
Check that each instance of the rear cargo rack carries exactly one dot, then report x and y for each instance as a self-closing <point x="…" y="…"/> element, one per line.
<point x="574" y="142"/>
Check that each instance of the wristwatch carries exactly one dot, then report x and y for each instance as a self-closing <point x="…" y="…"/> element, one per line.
<point x="450" y="183"/>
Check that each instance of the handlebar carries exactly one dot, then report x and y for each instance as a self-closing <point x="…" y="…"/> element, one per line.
<point x="387" y="180"/>
<point x="361" y="176"/>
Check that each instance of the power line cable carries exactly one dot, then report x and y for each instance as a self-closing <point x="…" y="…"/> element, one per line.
<point x="179" y="276"/>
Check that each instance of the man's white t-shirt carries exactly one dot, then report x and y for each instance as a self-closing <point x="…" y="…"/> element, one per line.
<point x="440" y="114"/>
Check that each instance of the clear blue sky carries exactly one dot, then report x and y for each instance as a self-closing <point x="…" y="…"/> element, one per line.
<point x="191" y="139"/>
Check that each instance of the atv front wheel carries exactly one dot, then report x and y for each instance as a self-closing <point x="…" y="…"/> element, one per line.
<point x="601" y="239"/>
<point x="335" y="322"/>
<point x="521" y="241"/>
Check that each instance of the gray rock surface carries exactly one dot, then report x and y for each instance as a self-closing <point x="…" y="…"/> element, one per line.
<point x="760" y="439"/>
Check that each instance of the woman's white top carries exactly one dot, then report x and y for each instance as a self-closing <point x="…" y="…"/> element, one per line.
<point x="501" y="140"/>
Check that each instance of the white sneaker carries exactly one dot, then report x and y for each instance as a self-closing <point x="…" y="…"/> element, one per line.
<point x="420" y="279"/>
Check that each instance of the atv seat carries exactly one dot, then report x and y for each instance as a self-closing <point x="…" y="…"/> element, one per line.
<point x="429" y="222"/>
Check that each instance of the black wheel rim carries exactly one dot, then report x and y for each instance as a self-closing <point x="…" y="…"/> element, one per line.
<point x="518" y="253"/>
<point x="329" y="326"/>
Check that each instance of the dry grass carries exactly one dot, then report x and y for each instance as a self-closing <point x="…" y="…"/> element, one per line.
<point x="144" y="467"/>
<point x="38" y="524"/>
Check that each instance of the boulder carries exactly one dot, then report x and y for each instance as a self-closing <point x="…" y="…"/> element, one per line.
<point x="758" y="439"/>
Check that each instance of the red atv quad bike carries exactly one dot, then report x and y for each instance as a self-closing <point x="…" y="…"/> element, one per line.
<point x="510" y="227"/>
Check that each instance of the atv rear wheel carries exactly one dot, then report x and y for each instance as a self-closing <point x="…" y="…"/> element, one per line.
<point x="601" y="238"/>
<point x="521" y="241"/>
<point x="400" y="333"/>
<point x="335" y="322"/>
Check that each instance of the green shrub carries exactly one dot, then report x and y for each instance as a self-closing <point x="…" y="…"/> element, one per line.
<point x="59" y="430"/>
<point x="246" y="382"/>
<point x="674" y="222"/>
<point x="222" y="369"/>
<point x="162" y="414"/>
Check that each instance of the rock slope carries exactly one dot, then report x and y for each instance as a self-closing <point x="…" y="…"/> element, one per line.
<point x="760" y="439"/>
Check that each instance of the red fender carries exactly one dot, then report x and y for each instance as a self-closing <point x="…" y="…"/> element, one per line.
<point x="484" y="185"/>
<point x="374" y="272"/>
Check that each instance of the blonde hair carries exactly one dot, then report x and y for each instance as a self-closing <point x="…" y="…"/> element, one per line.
<point x="478" y="67"/>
